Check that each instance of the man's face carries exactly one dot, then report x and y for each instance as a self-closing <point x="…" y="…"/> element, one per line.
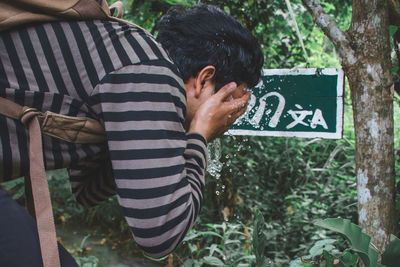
<point x="194" y="102"/>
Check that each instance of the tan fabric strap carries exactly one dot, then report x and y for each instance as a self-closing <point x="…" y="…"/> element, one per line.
<point x="41" y="194"/>
<point x="17" y="12"/>
<point x="71" y="129"/>
<point x="10" y="109"/>
<point x="78" y="130"/>
<point x="40" y="189"/>
<point x="119" y="7"/>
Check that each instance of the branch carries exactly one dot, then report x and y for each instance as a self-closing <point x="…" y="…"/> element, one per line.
<point x="332" y="31"/>
<point x="394" y="12"/>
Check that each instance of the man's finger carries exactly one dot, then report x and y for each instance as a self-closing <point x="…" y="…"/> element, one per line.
<point x="237" y="114"/>
<point x="226" y="91"/>
<point x="238" y="109"/>
<point x="239" y="104"/>
<point x="241" y="111"/>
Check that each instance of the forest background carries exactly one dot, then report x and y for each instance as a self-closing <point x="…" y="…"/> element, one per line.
<point x="270" y="191"/>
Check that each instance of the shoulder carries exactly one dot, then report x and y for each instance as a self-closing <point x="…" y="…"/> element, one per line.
<point x="110" y="45"/>
<point x="128" y="48"/>
<point x="139" y="45"/>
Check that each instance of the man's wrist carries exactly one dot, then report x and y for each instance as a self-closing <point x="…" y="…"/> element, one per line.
<point x="197" y="135"/>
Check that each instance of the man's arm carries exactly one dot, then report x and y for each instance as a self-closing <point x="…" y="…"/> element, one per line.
<point x="158" y="167"/>
<point x="92" y="181"/>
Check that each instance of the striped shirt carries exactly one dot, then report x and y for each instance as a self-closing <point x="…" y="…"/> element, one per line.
<point x="119" y="75"/>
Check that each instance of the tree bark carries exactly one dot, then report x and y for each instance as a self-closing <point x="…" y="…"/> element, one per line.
<point x="365" y="57"/>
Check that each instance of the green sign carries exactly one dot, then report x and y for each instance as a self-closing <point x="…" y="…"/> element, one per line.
<point x="298" y="103"/>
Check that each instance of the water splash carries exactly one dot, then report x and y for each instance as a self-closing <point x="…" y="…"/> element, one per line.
<point x="214" y="155"/>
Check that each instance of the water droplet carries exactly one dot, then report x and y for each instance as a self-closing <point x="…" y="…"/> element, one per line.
<point x="214" y="155"/>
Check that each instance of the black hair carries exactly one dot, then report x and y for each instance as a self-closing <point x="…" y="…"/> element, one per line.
<point x="206" y="35"/>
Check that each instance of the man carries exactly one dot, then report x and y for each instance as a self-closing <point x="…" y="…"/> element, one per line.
<point x="158" y="114"/>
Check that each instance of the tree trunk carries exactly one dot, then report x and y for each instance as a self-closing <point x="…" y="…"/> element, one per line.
<point x="365" y="57"/>
<point x="370" y="81"/>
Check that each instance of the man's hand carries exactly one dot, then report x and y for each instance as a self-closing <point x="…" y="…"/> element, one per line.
<point x="219" y="112"/>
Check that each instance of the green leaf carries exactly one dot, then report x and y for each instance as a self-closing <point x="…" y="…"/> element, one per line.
<point x="213" y="261"/>
<point x="392" y="30"/>
<point x="321" y="245"/>
<point x="243" y="258"/>
<point x="155" y="259"/>
<point x="192" y="247"/>
<point x="359" y="241"/>
<point x="192" y="263"/>
<point x="214" y="248"/>
<point x="296" y="263"/>
<point x="192" y="236"/>
<point x="309" y="264"/>
<point x="328" y="258"/>
<point x="12" y="183"/>
<point x="395" y="69"/>
<point x="172" y="2"/>
<point x="391" y="256"/>
<point x="349" y="259"/>
<point x="259" y="238"/>
<point x="229" y="242"/>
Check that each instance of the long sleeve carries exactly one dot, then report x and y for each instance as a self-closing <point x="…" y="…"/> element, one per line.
<point x="158" y="168"/>
<point x="92" y="181"/>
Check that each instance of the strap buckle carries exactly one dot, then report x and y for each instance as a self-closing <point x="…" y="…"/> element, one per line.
<point x="29" y="110"/>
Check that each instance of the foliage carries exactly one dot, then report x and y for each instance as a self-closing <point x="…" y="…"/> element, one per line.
<point x="227" y="244"/>
<point x="81" y="259"/>
<point x="218" y="245"/>
<point x="147" y="13"/>
<point x="298" y="181"/>
<point x="392" y="253"/>
<point x="270" y="23"/>
<point x="359" y="248"/>
<point x="90" y="261"/>
<point x="359" y="241"/>
<point x="259" y="240"/>
<point x="16" y="189"/>
<point x="65" y="207"/>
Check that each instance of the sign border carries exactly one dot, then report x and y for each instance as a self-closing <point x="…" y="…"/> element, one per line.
<point x="338" y="134"/>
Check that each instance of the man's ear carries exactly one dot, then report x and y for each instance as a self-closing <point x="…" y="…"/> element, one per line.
<point x="205" y="76"/>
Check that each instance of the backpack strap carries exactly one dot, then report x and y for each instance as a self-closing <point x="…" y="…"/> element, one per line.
<point x="78" y="130"/>
<point x="39" y="186"/>
<point x="22" y="12"/>
<point x="119" y="7"/>
<point x="67" y="128"/>
<point x="17" y="12"/>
